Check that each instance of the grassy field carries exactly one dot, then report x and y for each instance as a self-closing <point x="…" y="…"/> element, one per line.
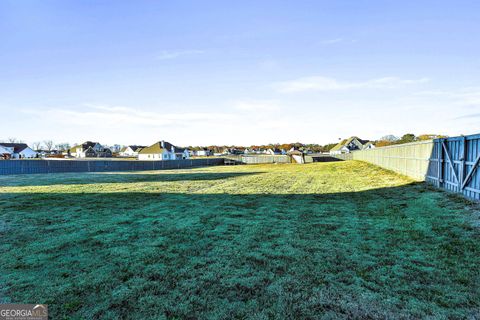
<point x="326" y="240"/>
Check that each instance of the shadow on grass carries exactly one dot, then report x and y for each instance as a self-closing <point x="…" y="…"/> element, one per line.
<point x="384" y="253"/>
<point x="82" y="178"/>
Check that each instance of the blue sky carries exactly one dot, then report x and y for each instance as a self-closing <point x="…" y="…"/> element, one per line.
<point x="237" y="72"/>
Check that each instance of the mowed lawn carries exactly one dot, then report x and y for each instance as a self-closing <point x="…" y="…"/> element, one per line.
<point x="326" y="240"/>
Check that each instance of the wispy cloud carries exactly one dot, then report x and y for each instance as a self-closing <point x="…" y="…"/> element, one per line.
<point x="469" y="96"/>
<point x="319" y="83"/>
<point x="115" y="116"/>
<point x="166" y="55"/>
<point x="469" y="116"/>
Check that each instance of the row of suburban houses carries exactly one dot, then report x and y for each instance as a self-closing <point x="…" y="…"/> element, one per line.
<point x="161" y="150"/>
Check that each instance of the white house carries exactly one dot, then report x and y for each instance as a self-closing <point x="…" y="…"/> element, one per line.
<point x="203" y="152"/>
<point x="275" y="151"/>
<point x="90" y="149"/>
<point x="130" y="151"/>
<point x="17" y="151"/>
<point x="163" y="150"/>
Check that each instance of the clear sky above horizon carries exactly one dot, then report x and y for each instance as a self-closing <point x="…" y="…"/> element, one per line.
<point x="237" y="72"/>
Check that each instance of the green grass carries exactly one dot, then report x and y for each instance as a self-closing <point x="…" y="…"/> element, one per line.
<point x="326" y="240"/>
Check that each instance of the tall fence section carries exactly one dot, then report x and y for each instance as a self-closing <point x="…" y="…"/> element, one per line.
<point x="454" y="165"/>
<point x="410" y="159"/>
<point x="259" y="159"/>
<point x="450" y="163"/>
<point x="56" y="166"/>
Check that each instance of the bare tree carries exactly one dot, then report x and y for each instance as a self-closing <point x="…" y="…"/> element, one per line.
<point x="13" y="140"/>
<point x="48" y="144"/>
<point x="37" y="145"/>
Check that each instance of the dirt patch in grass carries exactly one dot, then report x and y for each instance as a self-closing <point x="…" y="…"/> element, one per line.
<point x="329" y="240"/>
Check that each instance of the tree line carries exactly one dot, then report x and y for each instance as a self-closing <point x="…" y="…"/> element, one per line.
<point x="47" y="145"/>
<point x="406" y="138"/>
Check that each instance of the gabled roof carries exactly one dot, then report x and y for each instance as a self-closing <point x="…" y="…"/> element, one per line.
<point x="346" y="142"/>
<point x="136" y="148"/>
<point x="84" y="146"/>
<point x="17" y="147"/>
<point x="275" y="150"/>
<point x="154" y="148"/>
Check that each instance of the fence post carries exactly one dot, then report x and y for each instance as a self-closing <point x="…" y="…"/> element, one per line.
<point x="463" y="167"/>
<point x="440" y="161"/>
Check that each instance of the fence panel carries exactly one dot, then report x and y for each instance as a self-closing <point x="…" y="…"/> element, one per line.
<point x="260" y="159"/>
<point x="410" y="159"/>
<point x="454" y="165"/>
<point x="57" y="166"/>
<point x="450" y="163"/>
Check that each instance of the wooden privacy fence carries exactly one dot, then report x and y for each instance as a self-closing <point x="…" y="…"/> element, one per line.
<point x="259" y="159"/>
<point x="410" y="159"/>
<point x="55" y="166"/>
<point x="454" y="165"/>
<point x="450" y="163"/>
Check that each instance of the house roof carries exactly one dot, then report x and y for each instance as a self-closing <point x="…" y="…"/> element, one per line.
<point x="154" y="148"/>
<point x="346" y="142"/>
<point x="136" y="148"/>
<point x="84" y="146"/>
<point x="275" y="150"/>
<point x="157" y="148"/>
<point x="17" y="147"/>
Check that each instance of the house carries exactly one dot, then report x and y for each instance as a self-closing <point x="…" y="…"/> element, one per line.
<point x="16" y="151"/>
<point x="351" y="144"/>
<point x="163" y="150"/>
<point x="130" y="151"/>
<point x="275" y="151"/>
<point x="90" y="149"/>
<point x="204" y="152"/>
<point x="233" y="151"/>
<point x="368" y="145"/>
